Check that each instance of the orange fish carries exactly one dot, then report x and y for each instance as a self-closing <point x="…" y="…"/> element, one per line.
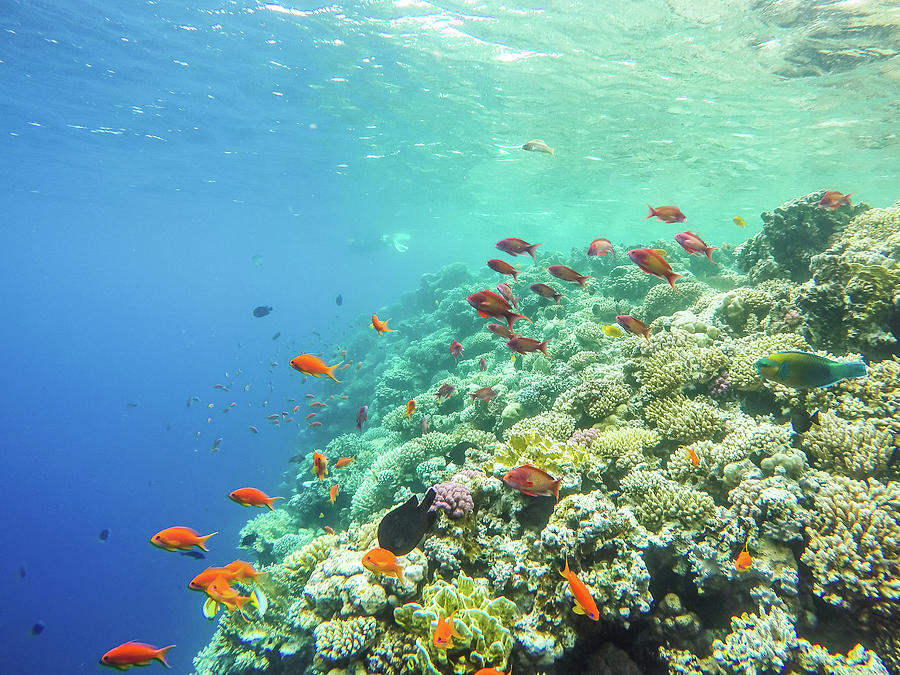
<point x="633" y="326"/>
<point x="444" y="633"/>
<point x="491" y="671"/>
<point x="410" y="407"/>
<point x="320" y="465"/>
<point x="653" y="263"/>
<point x="333" y="493"/>
<point x="743" y="562"/>
<point x="833" y="199"/>
<point x="695" y="461"/>
<point x="344" y="461"/>
<point x="134" y="654"/>
<point x="382" y="561"/>
<point x="179" y="539"/>
<point x="313" y="365"/>
<point x="219" y="591"/>
<point x="488" y="304"/>
<point x="584" y="603"/>
<point x="381" y="326"/>
<point x="532" y="481"/>
<point x="317" y="404"/>
<point x="328" y="529"/>
<point x="667" y="214"/>
<point x="249" y="496"/>
<point x="242" y="571"/>
<point x="568" y="274"/>
<point x="209" y="575"/>
<point x="295" y="408"/>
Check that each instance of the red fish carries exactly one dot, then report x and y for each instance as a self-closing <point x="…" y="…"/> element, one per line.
<point x="503" y="267"/>
<point x="309" y="395"/>
<point x="424" y="426"/>
<point x="310" y="416"/>
<point x="489" y="304"/>
<point x="444" y="391"/>
<point x="744" y="561"/>
<point x="482" y="364"/>
<point x="546" y="292"/>
<point x="600" y="247"/>
<point x="833" y="199"/>
<point x="382" y="561"/>
<point x="344" y="461"/>
<point x="506" y="293"/>
<point x="667" y="214"/>
<point x="295" y="408"/>
<point x="694" y="245"/>
<point x="491" y="671"/>
<point x="485" y="394"/>
<point x="584" y="602"/>
<point x="633" y="326"/>
<point x="317" y="404"/>
<point x="381" y="326"/>
<point x="410" y="407"/>
<point x="444" y="633"/>
<point x="320" y="465"/>
<point x="134" y="654"/>
<point x="568" y="274"/>
<point x="315" y="425"/>
<point x="515" y="246"/>
<point x="333" y="493"/>
<point x="249" y="496"/>
<point x="692" y="456"/>
<point x="653" y="263"/>
<point x="309" y="364"/>
<point x="501" y="330"/>
<point x="525" y="345"/>
<point x="532" y="481"/>
<point x="328" y="529"/>
<point x="361" y="416"/>
<point x="456" y="349"/>
<point x="179" y="538"/>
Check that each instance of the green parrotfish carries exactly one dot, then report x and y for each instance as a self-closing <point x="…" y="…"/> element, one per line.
<point x="803" y="370"/>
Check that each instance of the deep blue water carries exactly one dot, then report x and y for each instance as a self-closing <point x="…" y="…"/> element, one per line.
<point x="148" y="151"/>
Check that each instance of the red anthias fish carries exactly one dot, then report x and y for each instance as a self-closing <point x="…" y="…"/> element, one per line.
<point x="546" y="292"/>
<point x="694" y="245"/>
<point x="653" y="263"/>
<point x="485" y="394"/>
<point x="833" y="199"/>
<point x="501" y="330"/>
<point x="456" y="349"/>
<point x="633" y="326"/>
<point x="567" y="274"/>
<point x="482" y="364"/>
<point x="503" y="267"/>
<point x="489" y="304"/>
<point x="525" y="345"/>
<point x="444" y="391"/>
<point x="600" y="247"/>
<point x="361" y="416"/>
<point x="532" y="481"/>
<point x="667" y="214"/>
<point x="516" y="246"/>
<point x="506" y="293"/>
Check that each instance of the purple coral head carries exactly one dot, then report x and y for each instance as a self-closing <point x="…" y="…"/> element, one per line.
<point x="452" y="498"/>
<point x="721" y="385"/>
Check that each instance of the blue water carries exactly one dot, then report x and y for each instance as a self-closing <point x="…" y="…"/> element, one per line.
<point x="151" y="150"/>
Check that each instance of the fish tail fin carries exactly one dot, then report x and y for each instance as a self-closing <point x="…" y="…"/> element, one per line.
<point x="514" y="317"/>
<point x="708" y="251"/>
<point x="846" y="199"/>
<point x="555" y="491"/>
<point x="531" y="248"/>
<point x="671" y="277"/>
<point x="564" y="573"/>
<point x="270" y="500"/>
<point x="399" y="573"/>
<point x="515" y="275"/>
<point x="582" y="280"/>
<point x="647" y="333"/>
<point x="543" y="348"/>
<point x="557" y="297"/>
<point x="160" y="655"/>
<point x="330" y="371"/>
<point x="202" y="543"/>
<point x="854" y="369"/>
<point x="652" y="212"/>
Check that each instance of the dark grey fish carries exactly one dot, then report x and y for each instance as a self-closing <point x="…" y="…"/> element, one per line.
<point x="248" y="539"/>
<point x="23" y="572"/>
<point x="403" y="528"/>
<point x="196" y="555"/>
<point x="262" y="310"/>
<point x="38" y="628"/>
<point x="132" y="404"/>
<point x="802" y="421"/>
<point x="104" y="534"/>
<point x="339" y="300"/>
<point x="276" y="336"/>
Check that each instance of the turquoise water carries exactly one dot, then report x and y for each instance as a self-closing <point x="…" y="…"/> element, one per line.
<point x="166" y="168"/>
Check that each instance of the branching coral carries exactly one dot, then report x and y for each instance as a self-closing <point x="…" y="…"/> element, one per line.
<point x="855" y="449"/>
<point x="657" y="501"/>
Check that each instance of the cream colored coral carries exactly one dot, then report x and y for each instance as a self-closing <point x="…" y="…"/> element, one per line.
<point x="855" y="449"/>
<point x="679" y="418"/>
<point x="658" y="500"/>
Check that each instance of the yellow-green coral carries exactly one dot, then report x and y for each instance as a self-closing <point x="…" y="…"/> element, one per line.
<point x="658" y="500"/>
<point x="482" y="620"/>
<point x="679" y="418"/>
<point x="855" y="449"/>
<point x="555" y="426"/>
<point x="341" y="639"/>
<point x="529" y="447"/>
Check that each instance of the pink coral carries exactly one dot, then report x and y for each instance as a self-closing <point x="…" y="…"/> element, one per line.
<point x="454" y="499"/>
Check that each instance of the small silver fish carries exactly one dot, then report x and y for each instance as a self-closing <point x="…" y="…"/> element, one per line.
<point x="537" y="145"/>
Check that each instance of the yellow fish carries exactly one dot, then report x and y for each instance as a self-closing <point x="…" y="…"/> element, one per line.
<point x="612" y="331"/>
<point x="660" y="251"/>
<point x="740" y="222"/>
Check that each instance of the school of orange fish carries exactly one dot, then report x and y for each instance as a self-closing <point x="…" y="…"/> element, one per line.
<point x="216" y="582"/>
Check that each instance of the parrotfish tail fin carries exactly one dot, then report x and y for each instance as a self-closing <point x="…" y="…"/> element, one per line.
<point x="582" y="280"/>
<point x="652" y="212"/>
<point x="555" y="490"/>
<point x="647" y="333"/>
<point x="330" y="371"/>
<point x="202" y="543"/>
<point x="855" y="369"/>
<point x="543" y="348"/>
<point x="269" y="503"/>
<point x="531" y="248"/>
<point x="161" y="655"/>
<point x="671" y="277"/>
